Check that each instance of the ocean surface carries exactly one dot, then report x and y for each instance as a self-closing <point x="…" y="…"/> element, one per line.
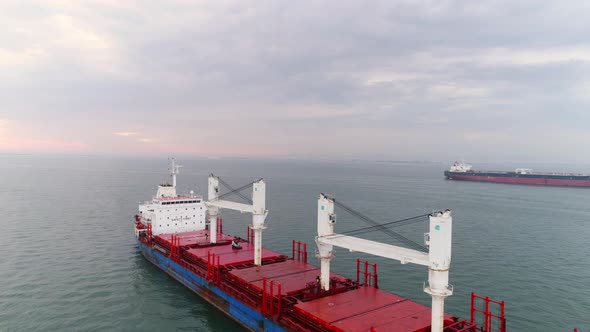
<point x="69" y="260"/>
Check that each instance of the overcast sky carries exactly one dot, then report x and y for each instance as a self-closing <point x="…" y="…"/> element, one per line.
<point x="427" y="80"/>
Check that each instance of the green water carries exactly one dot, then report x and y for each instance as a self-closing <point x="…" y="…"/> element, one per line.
<point x="69" y="260"/>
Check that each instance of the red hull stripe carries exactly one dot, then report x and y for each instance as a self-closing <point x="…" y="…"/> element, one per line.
<point x="533" y="181"/>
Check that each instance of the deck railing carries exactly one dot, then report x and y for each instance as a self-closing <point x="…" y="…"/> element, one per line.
<point x="363" y="269"/>
<point x="492" y="321"/>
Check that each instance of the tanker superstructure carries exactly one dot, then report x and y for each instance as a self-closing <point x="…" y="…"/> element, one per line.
<point x="264" y="290"/>
<point x="462" y="171"/>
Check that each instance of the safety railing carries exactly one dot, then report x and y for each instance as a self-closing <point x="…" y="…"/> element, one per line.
<point x="174" y="248"/>
<point x="149" y="234"/>
<point x="219" y="225"/>
<point x="271" y="301"/>
<point x="299" y="248"/>
<point x="493" y="318"/>
<point x="213" y="268"/>
<point x="363" y="271"/>
<point x="250" y="235"/>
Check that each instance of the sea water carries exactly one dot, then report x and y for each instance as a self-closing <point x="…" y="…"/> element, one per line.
<point x="69" y="261"/>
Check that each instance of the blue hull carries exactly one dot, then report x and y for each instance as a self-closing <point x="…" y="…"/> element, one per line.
<point x="243" y="314"/>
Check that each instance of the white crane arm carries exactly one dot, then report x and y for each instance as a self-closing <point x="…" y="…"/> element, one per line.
<point x="244" y="208"/>
<point x="404" y="255"/>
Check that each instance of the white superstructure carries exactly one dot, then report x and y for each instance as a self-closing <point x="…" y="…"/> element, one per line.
<point x="460" y="167"/>
<point x="169" y="212"/>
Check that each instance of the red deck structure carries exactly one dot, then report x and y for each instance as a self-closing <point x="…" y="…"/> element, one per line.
<point x="366" y="309"/>
<point x="272" y="271"/>
<point x="192" y="239"/>
<point x="229" y="256"/>
<point x="293" y="276"/>
<point x="287" y="290"/>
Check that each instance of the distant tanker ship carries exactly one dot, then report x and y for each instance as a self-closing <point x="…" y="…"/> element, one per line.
<point x="462" y="171"/>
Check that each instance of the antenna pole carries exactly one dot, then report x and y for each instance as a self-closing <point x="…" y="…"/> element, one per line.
<point x="174" y="170"/>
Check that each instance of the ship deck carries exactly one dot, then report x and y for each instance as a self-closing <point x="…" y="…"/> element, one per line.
<point x="192" y="239"/>
<point x="293" y="276"/>
<point x="229" y="256"/>
<point x="365" y="308"/>
<point x="285" y="290"/>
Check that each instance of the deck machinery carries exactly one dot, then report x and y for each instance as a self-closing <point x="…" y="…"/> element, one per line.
<point x="268" y="291"/>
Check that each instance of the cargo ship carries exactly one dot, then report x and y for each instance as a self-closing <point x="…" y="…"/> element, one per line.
<point x="462" y="171"/>
<point x="264" y="290"/>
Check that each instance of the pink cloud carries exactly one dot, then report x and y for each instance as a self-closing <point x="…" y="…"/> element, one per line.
<point x="126" y="133"/>
<point x="146" y="140"/>
<point x="41" y="145"/>
<point x="208" y="150"/>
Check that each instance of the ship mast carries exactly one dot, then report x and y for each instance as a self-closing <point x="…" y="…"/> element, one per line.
<point x="174" y="170"/>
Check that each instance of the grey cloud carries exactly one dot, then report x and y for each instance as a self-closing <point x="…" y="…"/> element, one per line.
<point x="296" y="69"/>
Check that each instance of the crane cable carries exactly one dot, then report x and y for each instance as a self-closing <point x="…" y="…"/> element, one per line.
<point x="236" y="190"/>
<point x="401" y="222"/>
<point x="377" y="226"/>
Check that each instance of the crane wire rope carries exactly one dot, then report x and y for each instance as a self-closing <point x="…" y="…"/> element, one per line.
<point x="236" y="190"/>
<point x="238" y="193"/>
<point x="401" y="222"/>
<point x="377" y="226"/>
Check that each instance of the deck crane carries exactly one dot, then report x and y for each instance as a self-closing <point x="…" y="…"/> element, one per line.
<point x="257" y="208"/>
<point x="438" y="258"/>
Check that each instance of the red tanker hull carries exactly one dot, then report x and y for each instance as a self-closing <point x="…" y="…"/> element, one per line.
<point x="522" y="180"/>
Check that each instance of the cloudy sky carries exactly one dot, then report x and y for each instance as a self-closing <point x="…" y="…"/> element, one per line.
<point x="428" y="80"/>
